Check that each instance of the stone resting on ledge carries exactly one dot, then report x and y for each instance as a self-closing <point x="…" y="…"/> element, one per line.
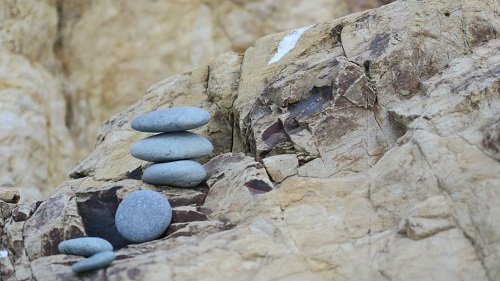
<point x="172" y="150"/>
<point x="369" y="151"/>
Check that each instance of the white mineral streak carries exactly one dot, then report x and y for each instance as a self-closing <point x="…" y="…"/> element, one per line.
<point x="288" y="43"/>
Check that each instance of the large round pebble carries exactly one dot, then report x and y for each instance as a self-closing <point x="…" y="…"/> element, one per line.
<point x="171" y="146"/>
<point x="143" y="215"/>
<point x="183" y="173"/>
<point x="171" y="120"/>
<point x="84" y="246"/>
<point x="96" y="261"/>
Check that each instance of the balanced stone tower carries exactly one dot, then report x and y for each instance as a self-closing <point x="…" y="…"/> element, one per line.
<point x="174" y="148"/>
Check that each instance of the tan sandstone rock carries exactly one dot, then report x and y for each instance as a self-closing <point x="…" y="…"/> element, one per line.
<point x="399" y="108"/>
<point x="108" y="69"/>
<point x="280" y="167"/>
<point x="69" y="65"/>
<point x="9" y="195"/>
<point x="35" y="144"/>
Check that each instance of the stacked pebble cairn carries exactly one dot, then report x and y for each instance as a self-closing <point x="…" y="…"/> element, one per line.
<point x="172" y="150"/>
<point x="144" y="215"/>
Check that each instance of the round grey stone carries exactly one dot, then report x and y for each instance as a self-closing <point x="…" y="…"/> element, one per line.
<point x="143" y="215"/>
<point x="183" y="173"/>
<point x="171" y="146"/>
<point x="96" y="261"/>
<point x="84" y="246"/>
<point x="171" y="120"/>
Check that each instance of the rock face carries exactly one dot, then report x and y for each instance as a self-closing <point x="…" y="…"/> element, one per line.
<point x="67" y="65"/>
<point x="35" y="143"/>
<point x="369" y="151"/>
<point x="183" y="35"/>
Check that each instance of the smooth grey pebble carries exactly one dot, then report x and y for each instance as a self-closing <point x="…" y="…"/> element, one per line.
<point x="183" y="173"/>
<point x="96" y="261"/>
<point x="173" y="119"/>
<point x="84" y="246"/>
<point x="143" y="215"/>
<point x="171" y="146"/>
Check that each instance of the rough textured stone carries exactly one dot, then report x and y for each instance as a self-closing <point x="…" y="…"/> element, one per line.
<point x="236" y="182"/>
<point x="35" y="145"/>
<point x="9" y="195"/>
<point x="23" y="211"/>
<point x="173" y="119"/>
<point x="178" y="36"/>
<point x="171" y="146"/>
<point x="94" y="262"/>
<point x="71" y="83"/>
<point x="55" y="220"/>
<point x="407" y="188"/>
<point x="280" y="167"/>
<point x="183" y="173"/>
<point x="97" y="202"/>
<point x="143" y="215"/>
<point x="6" y="209"/>
<point x="84" y="246"/>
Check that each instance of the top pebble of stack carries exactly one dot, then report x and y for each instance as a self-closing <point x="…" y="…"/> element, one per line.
<point x="171" y="120"/>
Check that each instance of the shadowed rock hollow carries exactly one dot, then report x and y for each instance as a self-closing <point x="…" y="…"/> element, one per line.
<point x="388" y="122"/>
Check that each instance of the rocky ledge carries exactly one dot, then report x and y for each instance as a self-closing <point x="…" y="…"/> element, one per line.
<point x="368" y="150"/>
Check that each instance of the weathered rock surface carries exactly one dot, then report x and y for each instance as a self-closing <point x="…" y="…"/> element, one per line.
<point x="35" y="143"/>
<point x="392" y="116"/>
<point x="9" y="195"/>
<point x="111" y="72"/>
<point x="279" y="167"/>
<point x="66" y="66"/>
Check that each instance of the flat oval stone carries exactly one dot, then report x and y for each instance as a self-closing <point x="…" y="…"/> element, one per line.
<point x="171" y="146"/>
<point x="84" y="246"/>
<point x="143" y="215"/>
<point x="96" y="261"/>
<point x="173" y="119"/>
<point x="183" y="173"/>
